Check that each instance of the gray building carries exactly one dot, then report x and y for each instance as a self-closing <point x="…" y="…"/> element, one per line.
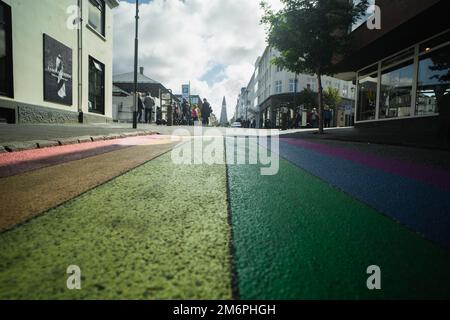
<point x="272" y="87"/>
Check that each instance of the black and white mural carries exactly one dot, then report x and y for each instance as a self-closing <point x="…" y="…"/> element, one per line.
<point x="57" y="72"/>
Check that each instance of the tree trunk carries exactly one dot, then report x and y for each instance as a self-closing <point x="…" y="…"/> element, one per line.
<point x="319" y="81"/>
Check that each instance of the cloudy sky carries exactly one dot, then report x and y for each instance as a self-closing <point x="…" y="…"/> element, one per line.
<point x="211" y="43"/>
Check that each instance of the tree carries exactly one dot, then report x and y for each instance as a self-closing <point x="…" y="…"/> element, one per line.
<point x="311" y="35"/>
<point x="308" y="98"/>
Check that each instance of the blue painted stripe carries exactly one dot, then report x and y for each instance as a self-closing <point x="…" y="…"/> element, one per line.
<point x="421" y="207"/>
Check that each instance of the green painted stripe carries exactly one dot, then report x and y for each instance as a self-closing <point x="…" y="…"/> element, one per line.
<point x="158" y="232"/>
<point x="298" y="238"/>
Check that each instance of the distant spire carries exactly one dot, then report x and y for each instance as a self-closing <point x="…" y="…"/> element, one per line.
<point x="223" y="115"/>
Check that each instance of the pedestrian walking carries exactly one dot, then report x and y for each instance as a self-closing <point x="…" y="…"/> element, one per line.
<point x="327" y="117"/>
<point x="194" y="114"/>
<point x="186" y="112"/>
<point x="158" y="116"/>
<point x="314" y="118"/>
<point x="284" y="118"/>
<point x="149" y="104"/>
<point x="206" y="112"/>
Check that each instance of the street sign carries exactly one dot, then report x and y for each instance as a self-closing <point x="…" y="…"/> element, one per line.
<point x="185" y="91"/>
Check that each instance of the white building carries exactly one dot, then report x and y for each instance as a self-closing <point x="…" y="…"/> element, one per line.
<point x="271" y="86"/>
<point x="51" y="70"/>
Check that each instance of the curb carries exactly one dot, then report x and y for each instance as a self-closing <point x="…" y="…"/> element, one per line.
<point x="9" y="147"/>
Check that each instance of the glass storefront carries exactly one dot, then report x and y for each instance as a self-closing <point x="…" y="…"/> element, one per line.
<point x="389" y="90"/>
<point x="433" y="88"/>
<point x="396" y="91"/>
<point x="367" y="94"/>
<point x="5" y="51"/>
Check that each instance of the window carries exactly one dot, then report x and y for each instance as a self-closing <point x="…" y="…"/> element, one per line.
<point x="6" y="80"/>
<point x="345" y="91"/>
<point x="278" y="86"/>
<point x="293" y="85"/>
<point x="367" y="94"/>
<point x="279" y="68"/>
<point x="369" y="13"/>
<point x="97" y="15"/>
<point x="396" y="91"/>
<point x="96" y="86"/>
<point x="433" y="87"/>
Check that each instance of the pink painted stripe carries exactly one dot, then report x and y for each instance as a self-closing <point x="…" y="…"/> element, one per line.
<point x="426" y="174"/>
<point x="18" y="162"/>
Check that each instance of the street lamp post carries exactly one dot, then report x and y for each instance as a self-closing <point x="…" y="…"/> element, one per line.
<point x="136" y="47"/>
<point x="169" y="110"/>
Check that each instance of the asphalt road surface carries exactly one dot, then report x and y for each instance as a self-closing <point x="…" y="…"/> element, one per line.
<point x="142" y="226"/>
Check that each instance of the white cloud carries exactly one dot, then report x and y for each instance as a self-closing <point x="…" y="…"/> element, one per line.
<point x="180" y="41"/>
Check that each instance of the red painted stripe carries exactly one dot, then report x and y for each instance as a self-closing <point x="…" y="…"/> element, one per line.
<point x="23" y="161"/>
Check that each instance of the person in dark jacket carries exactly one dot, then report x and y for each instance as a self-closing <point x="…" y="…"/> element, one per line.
<point x="327" y="117"/>
<point x="149" y="104"/>
<point x="206" y="112"/>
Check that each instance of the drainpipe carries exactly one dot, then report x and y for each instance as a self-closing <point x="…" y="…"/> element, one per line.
<point x="80" y="62"/>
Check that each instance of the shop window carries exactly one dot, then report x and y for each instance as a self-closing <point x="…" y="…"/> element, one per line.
<point x="97" y="15"/>
<point x="396" y="91"/>
<point x="367" y="94"/>
<point x="433" y="87"/>
<point x="6" y="72"/>
<point x="96" y="86"/>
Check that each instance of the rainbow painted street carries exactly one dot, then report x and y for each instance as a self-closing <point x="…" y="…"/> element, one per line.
<point x="140" y="226"/>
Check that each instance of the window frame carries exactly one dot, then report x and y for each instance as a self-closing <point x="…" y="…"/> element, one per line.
<point x="278" y="85"/>
<point x="416" y="58"/>
<point x="293" y="85"/>
<point x="92" y="60"/>
<point x="102" y="7"/>
<point x="9" y="51"/>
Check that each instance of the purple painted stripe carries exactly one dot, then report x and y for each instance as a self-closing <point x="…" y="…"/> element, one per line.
<point x="429" y="175"/>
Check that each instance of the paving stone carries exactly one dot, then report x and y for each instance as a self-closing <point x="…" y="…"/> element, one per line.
<point x="98" y="138"/>
<point x="21" y="146"/>
<point x="84" y="139"/>
<point x="47" y="143"/>
<point x="113" y="136"/>
<point x="67" y="141"/>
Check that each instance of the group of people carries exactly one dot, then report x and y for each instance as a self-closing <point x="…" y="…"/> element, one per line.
<point x="146" y="106"/>
<point x="291" y="122"/>
<point x="184" y="115"/>
<point x="191" y="115"/>
<point x="313" y="118"/>
<point x="249" y="124"/>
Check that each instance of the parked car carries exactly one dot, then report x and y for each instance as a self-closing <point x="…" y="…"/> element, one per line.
<point x="236" y="125"/>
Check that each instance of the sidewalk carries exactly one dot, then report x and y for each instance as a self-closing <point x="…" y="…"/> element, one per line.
<point x="25" y="137"/>
<point x="375" y="136"/>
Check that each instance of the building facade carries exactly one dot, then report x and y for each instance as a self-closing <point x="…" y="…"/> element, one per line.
<point x="51" y="70"/>
<point x="272" y="87"/>
<point x="124" y="105"/>
<point x="402" y="70"/>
